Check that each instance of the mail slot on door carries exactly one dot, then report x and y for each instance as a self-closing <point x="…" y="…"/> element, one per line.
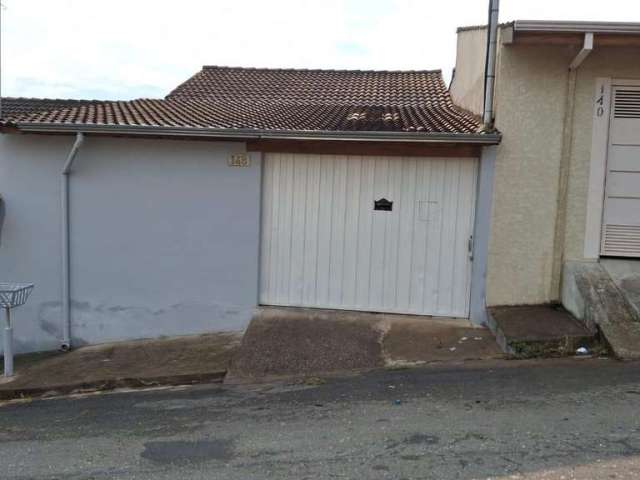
<point x="383" y="205"/>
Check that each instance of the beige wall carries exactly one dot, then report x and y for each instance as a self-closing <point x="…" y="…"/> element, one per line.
<point x="530" y="105"/>
<point x="467" y="85"/>
<point x="615" y="63"/>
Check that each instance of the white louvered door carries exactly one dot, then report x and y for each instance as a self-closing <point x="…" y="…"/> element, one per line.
<point x="621" y="219"/>
<point x="324" y="244"/>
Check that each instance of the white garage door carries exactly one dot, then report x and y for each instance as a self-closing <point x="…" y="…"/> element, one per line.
<point x="385" y="234"/>
<point x="621" y="219"/>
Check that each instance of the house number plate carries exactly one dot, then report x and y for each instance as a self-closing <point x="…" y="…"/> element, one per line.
<point x="239" y="160"/>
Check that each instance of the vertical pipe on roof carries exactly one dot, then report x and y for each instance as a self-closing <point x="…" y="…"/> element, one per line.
<point x="490" y="65"/>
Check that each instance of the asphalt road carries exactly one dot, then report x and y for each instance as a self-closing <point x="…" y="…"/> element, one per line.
<point x="502" y="420"/>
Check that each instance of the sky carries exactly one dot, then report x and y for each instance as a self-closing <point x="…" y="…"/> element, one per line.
<point x="123" y="49"/>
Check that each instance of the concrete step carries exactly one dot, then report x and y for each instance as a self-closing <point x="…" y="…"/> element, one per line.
<point x="591" y="294"/>
<point x="625" y="273"/>
<point x="539" y="331"/>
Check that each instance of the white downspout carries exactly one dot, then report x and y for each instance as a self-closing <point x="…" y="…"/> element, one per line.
<point x="490" y="66"/>
<point x="65" y="345"/>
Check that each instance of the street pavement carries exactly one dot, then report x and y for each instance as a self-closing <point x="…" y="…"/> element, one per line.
<point x="547" y="419"/>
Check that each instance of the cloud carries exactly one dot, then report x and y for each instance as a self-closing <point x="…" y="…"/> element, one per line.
<point x="124" y="49"/>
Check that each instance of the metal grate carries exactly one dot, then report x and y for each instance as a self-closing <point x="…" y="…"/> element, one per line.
<point x="14" y="294"/>
<point x="627" y="103"/>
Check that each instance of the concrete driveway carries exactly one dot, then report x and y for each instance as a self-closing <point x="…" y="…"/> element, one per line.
<point x="552" y="419"/>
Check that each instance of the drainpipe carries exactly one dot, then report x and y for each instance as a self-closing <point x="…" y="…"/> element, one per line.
<point x="490" y="65"/>
<point x="565" y="166"/>
<point x="65" y="345"/>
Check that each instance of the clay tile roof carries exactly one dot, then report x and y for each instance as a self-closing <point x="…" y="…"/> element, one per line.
<point x="286" y="100"/>
<point x="16" y="107"/>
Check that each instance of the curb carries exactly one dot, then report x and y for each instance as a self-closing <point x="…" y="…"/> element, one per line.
<point x="112" y="384"/>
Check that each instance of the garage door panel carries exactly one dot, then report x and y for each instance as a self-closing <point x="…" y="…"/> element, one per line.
<point x="446" y="262"/>
<point x="408" y="211"/>
<point x="285" y="253"/>
<point x="298" y="231"/>
<point x="431" y="273"/>
<point x="311" y="240"/>
<point x="379" y="234"/>
<point x="337" y="227"/>
<point x="455" y="248"/>
<point x="393" y="236"/>
<point x="411" y="259"/>
<point x="352" y="212"/>
<point x="325" y="230"/>
<point x="421" y="235"/>
<point x="466" y="200"/>
<point x="365" y="228"/>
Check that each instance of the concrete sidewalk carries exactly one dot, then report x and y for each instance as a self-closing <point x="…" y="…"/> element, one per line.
<point x="300" y="341"/>
<point x="141" y="363"/>
<point x="279" y="342"/>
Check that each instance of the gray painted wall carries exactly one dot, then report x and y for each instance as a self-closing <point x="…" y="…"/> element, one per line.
<point x="164" y="237"/>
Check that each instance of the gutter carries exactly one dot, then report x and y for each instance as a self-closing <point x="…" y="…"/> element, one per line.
<point x="565" y="165"/>
<point x="248" y="134"/>
<point x="543" y="26"/>
<point x="65" y="344"/>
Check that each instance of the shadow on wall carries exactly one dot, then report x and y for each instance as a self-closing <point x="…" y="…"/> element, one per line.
<point x="100" y="323"/>
<point x="93" y="324"/>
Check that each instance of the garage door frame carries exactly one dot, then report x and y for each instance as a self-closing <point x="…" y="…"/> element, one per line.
<point x="481" y="231"/>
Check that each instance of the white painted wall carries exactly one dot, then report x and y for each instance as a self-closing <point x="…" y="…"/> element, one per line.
<point x="164" y="237"/>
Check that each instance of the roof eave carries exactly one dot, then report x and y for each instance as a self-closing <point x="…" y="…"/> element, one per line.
<point x="247" y="134"/>
<point x="544" y="26"/>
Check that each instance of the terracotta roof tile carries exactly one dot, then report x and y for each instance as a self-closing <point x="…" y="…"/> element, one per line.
<point x="15" y="107"/>
<point x="316" y="87"/>
<point x="284" y="99"/>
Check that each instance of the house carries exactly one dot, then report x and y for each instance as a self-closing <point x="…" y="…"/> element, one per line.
<point x="380" y="191"/>
<point x="566" y="194"/>
<point x="357" y="190"/>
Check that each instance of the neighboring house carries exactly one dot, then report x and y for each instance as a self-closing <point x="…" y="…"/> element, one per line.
<point x="567" y="174"/>
<point x="361" y="190"/>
